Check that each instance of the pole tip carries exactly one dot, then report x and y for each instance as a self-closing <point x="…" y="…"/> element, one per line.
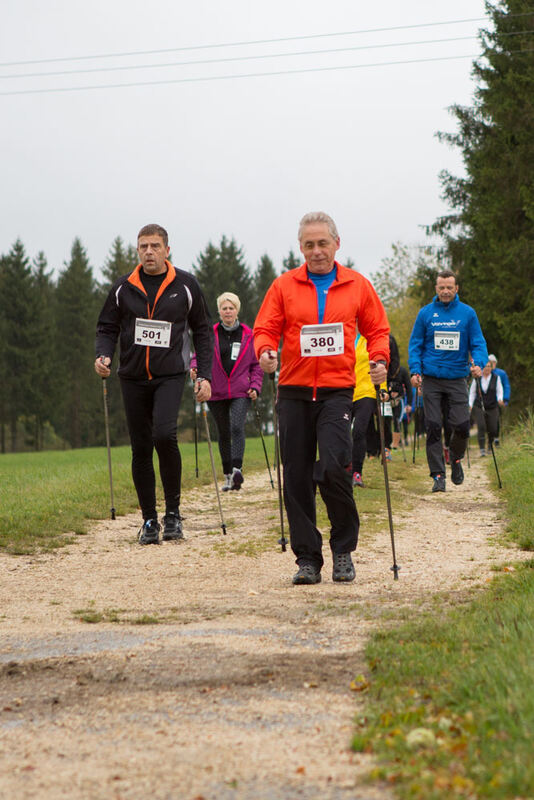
<point x="395" y="569"/>
<point x="112" y="513"/>
<point x="223" y="526"/>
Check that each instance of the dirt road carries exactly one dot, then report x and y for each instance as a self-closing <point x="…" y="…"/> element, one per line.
<point x="195" y="669"/>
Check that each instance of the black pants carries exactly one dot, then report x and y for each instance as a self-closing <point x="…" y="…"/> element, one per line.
<point x="486" y="423"/>
<point x="230" y="417"/>
<point x="152" y="414"/>
<point x="306" y="425"/>
<point x="362" y="412"/>
<point x="437" y="391"/>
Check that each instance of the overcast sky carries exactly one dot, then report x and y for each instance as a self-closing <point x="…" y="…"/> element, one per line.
<point x="245" y="157"/>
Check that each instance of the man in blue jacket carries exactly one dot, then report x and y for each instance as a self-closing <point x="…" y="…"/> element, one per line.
<point x="445" y="346"/>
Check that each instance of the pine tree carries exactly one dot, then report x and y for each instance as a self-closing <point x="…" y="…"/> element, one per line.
<point x="290" y="262"/>
<point x="18" y="311"/>
<point x="44" y="357"/>
<point x="78" y="413"/>
<point x="490" y="232"/>
<point x="223" y="269"/>
<point x="263" y="277"/>
<point x="120" y="261"/>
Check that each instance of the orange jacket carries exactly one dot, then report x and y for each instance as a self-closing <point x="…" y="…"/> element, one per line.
<point x="291" y="302"/>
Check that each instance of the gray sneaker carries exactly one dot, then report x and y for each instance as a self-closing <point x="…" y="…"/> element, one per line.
<point x="172" y="529"/>
<point x="237" y="479"/>
<point x="307" y="574"/>
<point x="149" y="533"/>
<point x="343" y="571"/>
<point x="439" y="483"/>
<point x="227" y="485"/>
<point x="457" y="473"/>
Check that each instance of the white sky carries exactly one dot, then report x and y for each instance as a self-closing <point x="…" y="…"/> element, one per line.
<point x="242" y="157"/>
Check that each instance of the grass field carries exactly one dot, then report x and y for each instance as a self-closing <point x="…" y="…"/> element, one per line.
<point x="47" y="497"/>
<point x="450" y="704"/>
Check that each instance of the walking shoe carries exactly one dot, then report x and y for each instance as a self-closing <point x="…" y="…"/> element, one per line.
<point x="149" y="533"/>
<point x="439" y="483"/>
<point x="496" y="442"/>
<point x="227" y="482"/>
<point x="446" y="455"/>
<point x="482" y="452"/>
<point x="172" y="526"/>
<point x="307" y="574"/>
<point x="457" y="473"/>
<point x="357" y="480"/>
<point x="387" y="453"/>
<point x="343" y="571"/>
<point x="237" y="479"/>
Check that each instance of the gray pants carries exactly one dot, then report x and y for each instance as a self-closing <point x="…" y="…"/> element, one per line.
<point x="454" y="395"/>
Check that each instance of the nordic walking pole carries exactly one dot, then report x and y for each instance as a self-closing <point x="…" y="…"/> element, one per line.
<point x="258" y="420"/>
<point x="282" y="540"/>
<point x="468" y="459"/>
<point x="196" y="433"/>
<point x="395" y="568"/>
<point x="490" y="440"/>
<point x="106" y="421"/>
<point x="214" y="471"/>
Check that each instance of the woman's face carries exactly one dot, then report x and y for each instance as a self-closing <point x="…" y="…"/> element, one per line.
<point x="487" y="370"/>
<point x="228" y="313"/>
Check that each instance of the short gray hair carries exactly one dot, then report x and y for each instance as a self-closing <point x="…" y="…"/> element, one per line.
<point x="315" y="217"/>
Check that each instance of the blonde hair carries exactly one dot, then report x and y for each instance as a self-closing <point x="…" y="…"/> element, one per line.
<point x="229" y="297"/>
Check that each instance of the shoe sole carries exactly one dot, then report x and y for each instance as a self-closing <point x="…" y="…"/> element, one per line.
<point x="436" y="491"/>
<point x="306" y="581"/>
<point x="172" y="537"/>
<point x="152" y="541"/>
<point x="343" y="578"/>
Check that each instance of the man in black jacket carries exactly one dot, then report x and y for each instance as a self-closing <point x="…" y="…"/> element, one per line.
<point x="151" y="311"/>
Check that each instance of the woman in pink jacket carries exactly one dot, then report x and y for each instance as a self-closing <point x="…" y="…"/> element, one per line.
<point x="236" y="380"/>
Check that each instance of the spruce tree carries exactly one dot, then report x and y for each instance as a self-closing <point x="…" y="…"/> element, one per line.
<point x="490" y="232"/>
<point x="263" y="277"/>
<point x="79" y="411"/>
<point x="120" y="261"/>
<point x="223" y="269"/>
<point x="18" y="311"/>
<point x="44" y="356"/>
<point x="291" y="261"/>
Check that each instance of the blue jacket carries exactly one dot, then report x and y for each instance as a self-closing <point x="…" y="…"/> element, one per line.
<point x="505" y="384"/>
<point x="444" y="338"/>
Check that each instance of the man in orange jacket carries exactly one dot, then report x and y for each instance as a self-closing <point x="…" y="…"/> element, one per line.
<point x="318" y="309"/>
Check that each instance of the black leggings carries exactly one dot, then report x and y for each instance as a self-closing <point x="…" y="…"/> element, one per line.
<point x="230" y="417"/>
<point x="152" y="414"/>
<point x="362" y="413"/>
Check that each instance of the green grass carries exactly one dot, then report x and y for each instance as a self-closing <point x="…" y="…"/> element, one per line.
<point x="47" y="498"/>
<point x="462" y="678"/>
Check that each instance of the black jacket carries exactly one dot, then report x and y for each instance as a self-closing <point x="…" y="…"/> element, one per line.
<point x="179" y="301"/>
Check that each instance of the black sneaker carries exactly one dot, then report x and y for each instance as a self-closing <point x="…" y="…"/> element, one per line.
<point x="237" y="479"/>
<point x="307" y="574"/>
<point x="439" y="483"/>
<point x="343" y="571"/>
<point x="149" y="533"/>
<point x="457" y="473"/>
<point x="172" y="527"/>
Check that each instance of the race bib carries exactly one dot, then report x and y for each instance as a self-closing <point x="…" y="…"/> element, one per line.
<point x="153" y="333"/>
<point x="322" y="340"/>
<point x="446" y="340"/>
<point x="387" y="411"/>
<point x="236" y="347"/>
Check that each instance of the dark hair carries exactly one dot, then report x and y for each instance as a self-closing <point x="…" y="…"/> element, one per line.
<point x="154" y="230"/>
<point x="447" y="273"/>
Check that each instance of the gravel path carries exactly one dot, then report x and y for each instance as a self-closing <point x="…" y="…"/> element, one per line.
<point x="205" y="673"/>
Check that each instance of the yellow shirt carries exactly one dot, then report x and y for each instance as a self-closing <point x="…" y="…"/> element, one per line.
<point x="364" y="386"/>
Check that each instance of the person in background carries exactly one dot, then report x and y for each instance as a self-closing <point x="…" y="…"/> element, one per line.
<point x="505" y="387"/>
<point x="446" y="344"/>
<point x="487" y="418"/>
<point x="236" y="381"/>
<point x="363" y="408"/>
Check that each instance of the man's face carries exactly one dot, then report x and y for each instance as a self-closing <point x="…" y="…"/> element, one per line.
<point x="318" y="247"/>
<point x="152" y="254"/>
<point x="446" y="289"/>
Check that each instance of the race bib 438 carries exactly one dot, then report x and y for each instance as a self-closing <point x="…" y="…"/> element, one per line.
<point x="446" y="340"/>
